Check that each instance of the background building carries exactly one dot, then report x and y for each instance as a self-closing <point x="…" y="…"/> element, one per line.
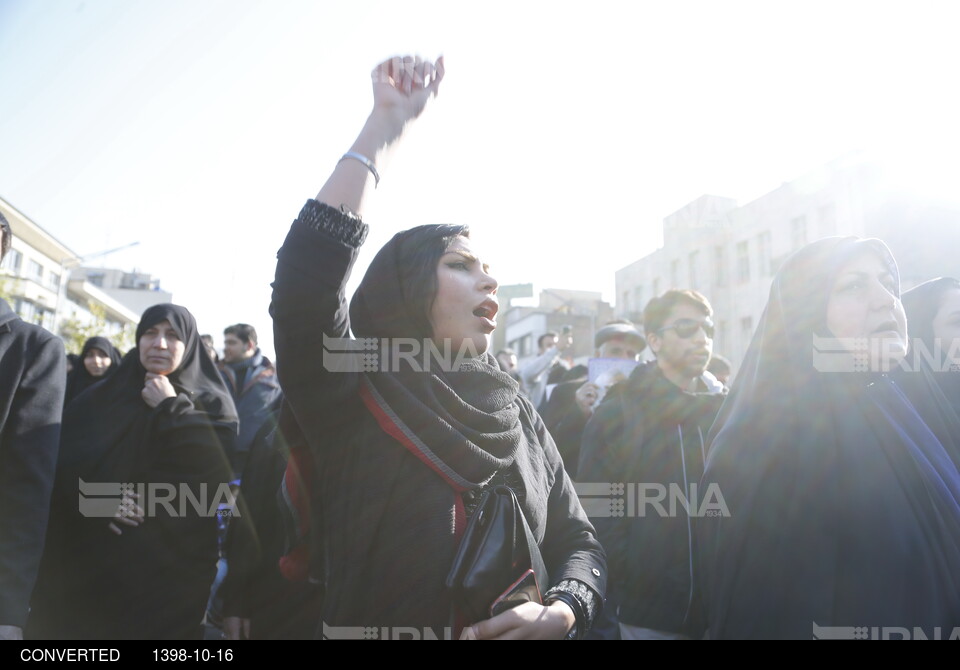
<point x="731" y="253"/>
<point x="136" y="290"/>
<point x="40" y="279"/>
<point x="583" y="311"/>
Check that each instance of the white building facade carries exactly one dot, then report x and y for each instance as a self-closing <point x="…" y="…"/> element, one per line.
<point x="730" y="254"/>
<point x="35" y="276"/>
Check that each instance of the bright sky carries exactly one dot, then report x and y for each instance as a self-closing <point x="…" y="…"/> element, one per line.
<point x="563" y="134"/>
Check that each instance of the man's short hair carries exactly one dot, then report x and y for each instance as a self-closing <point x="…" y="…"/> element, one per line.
<point x="243" y="332"/>
<point x="657" y="311"/>
<point x="7" y="236"/>
<point x="549" y="333"/>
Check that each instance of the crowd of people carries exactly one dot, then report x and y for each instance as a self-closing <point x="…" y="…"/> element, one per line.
<point x="169" y="493"/>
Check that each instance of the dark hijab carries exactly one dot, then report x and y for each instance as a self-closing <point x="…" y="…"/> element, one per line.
<point x="922" y="304"/>
<point x="107" y="429"/>
<point x="79" y="379"/>
<point x="843" y="501"/>
<point x="465" y="421"/>
<point x="152" y="581"/>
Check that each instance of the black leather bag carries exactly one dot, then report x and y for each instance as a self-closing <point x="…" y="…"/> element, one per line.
<point x="498" y="564"/>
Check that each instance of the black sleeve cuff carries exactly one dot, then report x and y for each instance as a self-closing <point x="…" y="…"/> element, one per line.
<point x="341" y="225"/>
<point x="581" y="599"/>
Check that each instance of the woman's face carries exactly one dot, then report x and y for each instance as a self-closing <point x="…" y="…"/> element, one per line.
<point x="465" y="308"/>
<point x="96" y="362"/>
<point x="863" y="310"/>
<point x="946" y="325"/>
<point x="161" y="349"/>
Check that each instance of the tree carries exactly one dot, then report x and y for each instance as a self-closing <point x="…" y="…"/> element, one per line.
<point x="8" y="289"/>
<point x="75" y="333"/>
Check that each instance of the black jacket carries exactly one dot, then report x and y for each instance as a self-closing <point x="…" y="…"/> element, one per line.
<point x="256" y="401"/>
<point x="254" y="588"/>
<point x="566" y="422"/>
<point x="33" y="376"/>
<point x="387" y="541"/>
<point x="649" y="435"/>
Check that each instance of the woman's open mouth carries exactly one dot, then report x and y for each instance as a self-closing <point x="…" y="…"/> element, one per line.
<point x="487" y="312"/>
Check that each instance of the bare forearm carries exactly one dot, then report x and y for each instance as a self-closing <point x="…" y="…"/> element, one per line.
<point x="401" y="87"/>
<point x="345" y="187"/>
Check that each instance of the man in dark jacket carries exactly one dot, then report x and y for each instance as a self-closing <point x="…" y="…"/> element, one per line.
<point x="572" y="402"/>
<point x="33" y="376"/>
<point x="252" y="381"/>
<point x="648" y="434"/>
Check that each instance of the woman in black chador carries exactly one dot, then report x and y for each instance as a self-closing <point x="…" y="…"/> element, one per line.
<point x="98" y="360"/>
<point x="933" y="314"/>
<point x="403" y="449"/>
<point x="160" y="424"/>
<point x="840" y="481"/>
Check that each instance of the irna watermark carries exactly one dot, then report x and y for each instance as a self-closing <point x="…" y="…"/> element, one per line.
<point x="373" y="354"/>
<point x="384" y="633"/>
<point x="109" y="499"/>
<point x="877" y="354"/>
<point x="617" y="499"/>
<point x="883" y="633"/>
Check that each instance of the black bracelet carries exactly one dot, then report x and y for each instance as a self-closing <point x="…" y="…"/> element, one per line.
<point x="580" y="627"/>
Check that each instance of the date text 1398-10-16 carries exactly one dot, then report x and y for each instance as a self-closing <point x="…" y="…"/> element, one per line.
<point x="200" y="654"/>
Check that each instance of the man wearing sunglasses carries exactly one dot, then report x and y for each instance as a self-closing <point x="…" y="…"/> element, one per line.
<point x="649" y="435"/>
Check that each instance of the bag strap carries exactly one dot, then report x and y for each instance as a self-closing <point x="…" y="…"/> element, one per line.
<point x="533" y="549"/>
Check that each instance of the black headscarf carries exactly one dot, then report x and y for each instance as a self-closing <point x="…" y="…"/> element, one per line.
<point x="105" y="429"/>
<point x="79" y="379"/>
<point x="153" y="580"/>
<point x="844" y="502"/>
<point x="921" y="304"/>
<point x="466" y="421"/>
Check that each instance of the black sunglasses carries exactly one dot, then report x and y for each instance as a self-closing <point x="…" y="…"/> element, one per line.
<point x="687" y="328"/>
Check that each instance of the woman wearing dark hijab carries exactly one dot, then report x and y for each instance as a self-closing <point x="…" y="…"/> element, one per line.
<point x="402" y="451"/>
<point x="840" y="484"/>
<point x="933" y="313"/>
<point x="98" y="360"/>
<point x="160" y="424"/>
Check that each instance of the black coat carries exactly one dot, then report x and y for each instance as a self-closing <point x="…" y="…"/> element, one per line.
<point x="254" y="587"/>
<point x="566" y="422"/>
<point x="387" y="526"/>
<point x="33" y="376"/>
<point x="153" y="580"/>
<point x="647" y="432"/>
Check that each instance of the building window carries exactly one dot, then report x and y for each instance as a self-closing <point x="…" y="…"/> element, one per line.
<point x="45" y="319"/>
<point x="798" y="229"/>
<point x="694" y="261"/>
<point x="54" y="280"/>
<point x="743" y="261"/>
<point x="828" y="220"/>
<point x="523" y="346"/>
<point x="719" y="266"/>
<point x="27" y="311"/>
<point x="12" y="262"/>
<point x="638" y="299"/>
<point x="675" y="273"/>
<point x="34" y="271"/>
<point x="656" y="287"/>
<point x="763" y="251"/>
<point x="720" y="342"/>
<point x="626" y="302"/>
